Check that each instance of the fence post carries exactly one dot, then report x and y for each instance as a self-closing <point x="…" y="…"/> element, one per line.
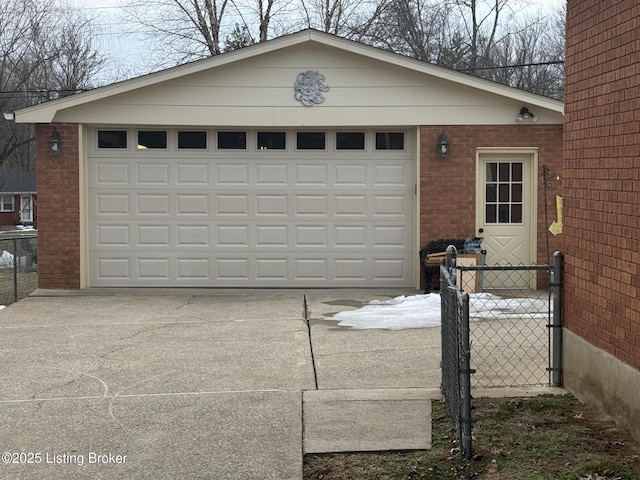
<point x="465" y="379"/>
<point x="15" y="270"/>
<point x="450" y="260"/>
<point x="556" y="325"/>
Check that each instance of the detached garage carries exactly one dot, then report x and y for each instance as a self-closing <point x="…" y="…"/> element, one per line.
<point x="305" y="161"/>
<point x="313" y="207"/>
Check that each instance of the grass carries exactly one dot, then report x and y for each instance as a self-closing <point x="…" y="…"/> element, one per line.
<point x="540" y="438"/>
<point x="27" y="283"/>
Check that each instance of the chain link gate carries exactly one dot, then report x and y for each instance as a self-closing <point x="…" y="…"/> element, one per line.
<point x="507" y="332"/>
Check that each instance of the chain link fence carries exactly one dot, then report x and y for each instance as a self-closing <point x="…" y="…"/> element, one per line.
<point x="502" y="324"/>
<point x="18" y="265"/>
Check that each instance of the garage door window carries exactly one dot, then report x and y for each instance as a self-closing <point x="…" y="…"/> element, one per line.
<point x="192" y="140"/>
<point x="152" y="139"/>
<point x="272" y="140"/>
<point x="232" y="140"/>
<point x="389" y="141"/>
<point x="112" y="139"/>
<point x="310" y="140"/>
<point x="350" y="141"/>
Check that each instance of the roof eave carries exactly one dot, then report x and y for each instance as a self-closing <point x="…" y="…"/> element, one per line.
<point x="46" y="112"/>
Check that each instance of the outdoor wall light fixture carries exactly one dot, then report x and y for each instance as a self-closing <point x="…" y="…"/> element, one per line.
<point x="442" y="147"/>
<point x="525" y="114"/>
<point x="55" y="143"/>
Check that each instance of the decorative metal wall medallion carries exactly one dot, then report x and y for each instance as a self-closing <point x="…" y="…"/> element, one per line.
<point x="309" y="87"/>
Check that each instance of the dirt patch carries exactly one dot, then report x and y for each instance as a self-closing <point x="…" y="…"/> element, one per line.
<point x="546" y="437"/>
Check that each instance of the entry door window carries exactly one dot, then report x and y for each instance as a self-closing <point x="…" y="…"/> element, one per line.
<point x="503" y="193"/>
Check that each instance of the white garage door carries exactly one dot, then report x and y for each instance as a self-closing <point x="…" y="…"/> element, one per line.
<point x="251" y="208"/>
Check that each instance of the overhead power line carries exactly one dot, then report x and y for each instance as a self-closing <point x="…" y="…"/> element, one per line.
<point x="517" y="65"/>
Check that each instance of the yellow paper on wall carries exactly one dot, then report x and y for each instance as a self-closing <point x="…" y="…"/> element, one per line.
<point x="556" y="227"/>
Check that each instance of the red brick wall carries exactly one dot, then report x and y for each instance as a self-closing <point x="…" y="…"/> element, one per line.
<point x="58" y="208"/>
<point x="602" y="176"/>
<point x="448" y="185"/>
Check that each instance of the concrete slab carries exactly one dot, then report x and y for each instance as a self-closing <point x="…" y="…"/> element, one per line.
<point x="367" y="420"/>
<point x="94" y="306"/>
<point x="85" y="360"/>
<point x="352" y="359"/>
<point x="249" y="435"/>
<point x="325" y="303"/>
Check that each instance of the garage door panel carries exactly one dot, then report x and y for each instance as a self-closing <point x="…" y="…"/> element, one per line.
<point x="269" y="236"/>
<point x="193" y="204"/>
<point x="193" y="236"/>
<point x="156" y="174"/>
<point x="390" y="206"/>
<point x="233" y="236"/>
<point x="272" y="269"/>
<point x="351" y="175"/>
<point x="271" y="205"/>
<point x="350" y="205"/>
<point x="152" y="204"/>
<point x="192" y="174"/>
<point x="391" y="175"/>
<point x="110" y="236"/>
<point x="232" y="174"/>
<point x="276" y="218"/>
<point x="313" y="205"/>
<point x="153" y="236"/>
<point x="270" y="175"/>
<point x="233" y="205"/>
<point x="193" y="269"/>
<point x="311" y="236"/>
<point x="232" y="270"/>
<point x="393" y="236"/>
<point x="253" y="269"/>
<point x="110" y="173"/>
<point x="111" y="204"/>
<point x="115" y="269"/>
<point x="315" y="175"/>
<point x="155" y="269"/>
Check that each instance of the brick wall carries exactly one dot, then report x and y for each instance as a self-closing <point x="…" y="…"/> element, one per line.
<point x="602" y="176"/>
<point x="58" y="208"/>
<point x="448" y="185"/>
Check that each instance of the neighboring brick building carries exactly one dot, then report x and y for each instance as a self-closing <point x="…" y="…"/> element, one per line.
<point x="17" y="198"/>
<point x="602" y="206"/>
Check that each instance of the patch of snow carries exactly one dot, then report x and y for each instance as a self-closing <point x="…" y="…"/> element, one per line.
<point x="423" y="311"/>
<point x="6" y="260"/>
<point x="415" y="311"/>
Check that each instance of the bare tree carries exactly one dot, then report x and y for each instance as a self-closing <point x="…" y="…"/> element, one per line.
<point x="481" y="37"/>
<point x="179" y="30"/>
<point x="415" y="28"/>
<point x="347" y="18"/>
<point x="43" y="55"/>
<point x="186" y="30"/>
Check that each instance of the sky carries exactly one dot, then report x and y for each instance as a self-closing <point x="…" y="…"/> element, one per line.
<point x="125" y="51"/>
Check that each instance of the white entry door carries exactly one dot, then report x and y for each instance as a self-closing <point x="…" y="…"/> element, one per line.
<point x="505" y="214"/>
<point x="26" y="208"/>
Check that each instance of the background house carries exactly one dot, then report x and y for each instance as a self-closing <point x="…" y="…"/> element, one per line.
<point x="602" y="207"/>
<point x="17" y="197"/>
<point x="304" y="161"/>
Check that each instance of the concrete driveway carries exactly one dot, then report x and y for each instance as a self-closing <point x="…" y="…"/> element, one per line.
<point x="211" y="384"/>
